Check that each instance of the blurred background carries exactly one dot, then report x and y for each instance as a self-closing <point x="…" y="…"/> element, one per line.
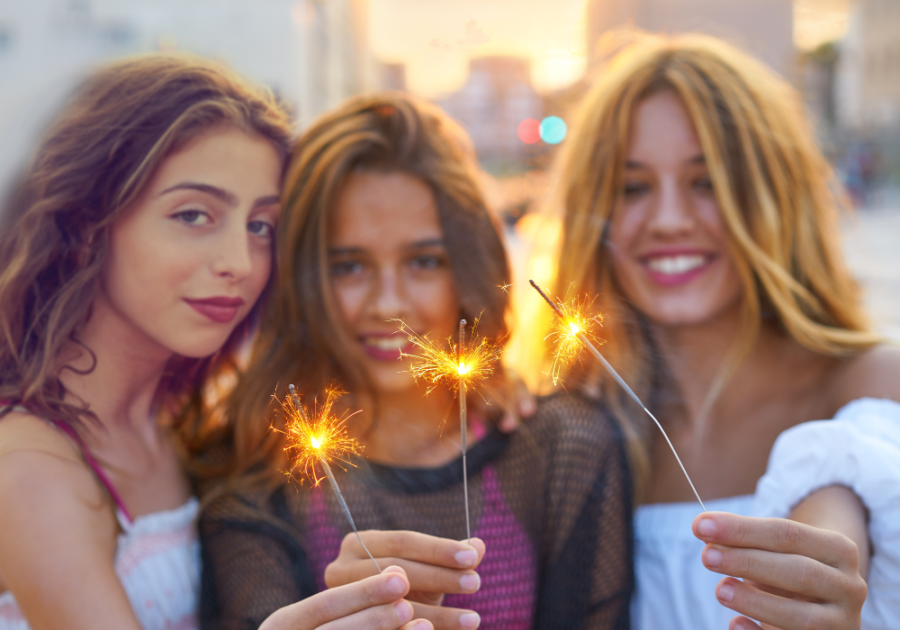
<point x="508" y="70"/>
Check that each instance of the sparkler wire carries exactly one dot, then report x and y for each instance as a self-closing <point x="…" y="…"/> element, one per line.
<point x="463" y="424"/>
<point x="593" y="350"/>
<point x="333" y="481"/>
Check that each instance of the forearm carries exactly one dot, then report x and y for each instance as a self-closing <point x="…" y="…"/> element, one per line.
<point x="839" y="509"/>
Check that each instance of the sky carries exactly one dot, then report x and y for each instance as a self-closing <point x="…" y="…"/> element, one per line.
<point x="435" y="38"/>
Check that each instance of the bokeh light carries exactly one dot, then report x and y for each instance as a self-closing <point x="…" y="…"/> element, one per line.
<point x="553" y="130"/>
<point x="529" y="131"/>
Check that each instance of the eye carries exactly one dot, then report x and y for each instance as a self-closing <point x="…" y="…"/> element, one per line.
<point x="427" y="262"/>
<point x="192" y="217"/>
<point x="345" y="268"/>
<point x="634" y="189"/>
<point x="704" y="184"/>
<point x="261" y="228"/>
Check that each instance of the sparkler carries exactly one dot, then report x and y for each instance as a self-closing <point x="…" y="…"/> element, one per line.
<point x="458" y="368"/>
<point x="575" y="327"/>
<point x="317" y="438"/>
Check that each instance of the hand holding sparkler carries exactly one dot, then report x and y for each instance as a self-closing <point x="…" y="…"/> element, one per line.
<point x="318" y="439"/>
<point x="574" y="328"/>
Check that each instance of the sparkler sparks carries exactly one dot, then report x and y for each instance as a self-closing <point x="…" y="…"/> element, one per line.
<point x="571" y="329"/>
<point x="454" y="365"/>
<point x="320" y="437"/>
<point x="573" y="321"/>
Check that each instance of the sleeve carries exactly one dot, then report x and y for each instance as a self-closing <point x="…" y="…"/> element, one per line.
<point x="253" y="563"/>
<point x="587" y="574"/>
<point x="859" y="449"/>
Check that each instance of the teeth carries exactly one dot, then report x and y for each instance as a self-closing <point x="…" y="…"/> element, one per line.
<point x="386" y="343"/>
<point x="672" y="265"/>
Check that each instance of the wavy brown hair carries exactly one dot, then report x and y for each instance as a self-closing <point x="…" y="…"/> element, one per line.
<point x="300" y="340"/>
<point x="93" y="163"/>
<point x="775" y="190"/>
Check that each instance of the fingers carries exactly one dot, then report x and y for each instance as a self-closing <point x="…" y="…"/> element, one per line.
<point x="777" y="535"/>
<point x="422" y="577"/>
<point x="789" y="614"/>
<point x="742" y="623"/>
<point x="376" y="596"/>
<point x="448" y="618"/>
<point x="418" y="547"/>
<point x="788" y="572"/>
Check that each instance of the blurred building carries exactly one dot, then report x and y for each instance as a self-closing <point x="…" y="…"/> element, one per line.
<point x="764" y="27"/>
<point x="496" y="97"/>
<point x="313" y="53"/>
<point x="867" y="91"/>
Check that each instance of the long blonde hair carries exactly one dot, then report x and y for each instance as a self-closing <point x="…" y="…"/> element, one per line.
<point x="774" y="188"/>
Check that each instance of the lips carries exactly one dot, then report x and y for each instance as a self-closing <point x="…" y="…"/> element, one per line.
<point x="219" y="309"/>
<point x="676" y="268"/>
<point x="385" y="346"/>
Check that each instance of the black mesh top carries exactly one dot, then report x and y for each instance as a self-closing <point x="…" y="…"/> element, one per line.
<point x="552" y="502"/>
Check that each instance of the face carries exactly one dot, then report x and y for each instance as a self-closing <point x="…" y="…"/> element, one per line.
<point x="388" y="261"/>
<point x="189" y="260"/>
<point x="667" y="239"/>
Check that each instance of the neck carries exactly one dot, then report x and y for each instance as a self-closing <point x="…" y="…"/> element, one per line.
<point x="126" y="372"/>
<point x="413" y="429"/>
<point x="696" y="356"/>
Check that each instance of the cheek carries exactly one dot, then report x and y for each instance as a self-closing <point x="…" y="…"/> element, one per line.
<point x="437" y="305"/>
<point x="350" y="298"/>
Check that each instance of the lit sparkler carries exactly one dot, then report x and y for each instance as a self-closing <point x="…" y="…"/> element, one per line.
<point x="576" y="327"/>
<point x="458" y="368"/>
<point x="318" y="438"/>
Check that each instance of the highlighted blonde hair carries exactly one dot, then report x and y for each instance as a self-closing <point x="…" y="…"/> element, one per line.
<point x="774" y="188"/>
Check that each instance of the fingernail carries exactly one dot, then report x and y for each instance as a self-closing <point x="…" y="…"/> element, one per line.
<point x="404" y="611"/>
<point x="396" y="586"/>
<point x="707" y="527"/>
<point x="726" y="592"/>
<point x="423" y="625"/>
<point x="470" y="582"/>
<point x="467" y="558"/>
<point x="469" y="620"/>
<point x="739" y="626"/>
<point x="712" y="557"/>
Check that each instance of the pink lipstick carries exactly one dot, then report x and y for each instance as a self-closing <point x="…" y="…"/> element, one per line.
<point x="219" y="309"/>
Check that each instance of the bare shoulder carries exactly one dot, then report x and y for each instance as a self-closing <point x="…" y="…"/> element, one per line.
<point x="25" y="432"/>
<point x="874" y="373"/>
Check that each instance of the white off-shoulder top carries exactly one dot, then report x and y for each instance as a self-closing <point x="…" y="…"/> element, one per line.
<point x="859" y="448"/>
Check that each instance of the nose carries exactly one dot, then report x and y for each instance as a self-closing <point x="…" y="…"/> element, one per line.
<point x="232" y="258"/>
<point x="389" y="301"/>
<point x="672" y="214"/>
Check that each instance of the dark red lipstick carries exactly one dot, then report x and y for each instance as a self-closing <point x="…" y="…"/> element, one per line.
<point x="219" y="309"/>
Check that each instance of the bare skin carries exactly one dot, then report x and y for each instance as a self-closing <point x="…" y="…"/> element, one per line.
<point x="670" y="217"/>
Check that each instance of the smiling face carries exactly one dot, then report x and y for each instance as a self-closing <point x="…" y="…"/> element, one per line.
<point x="667" y="239"/>
<point x="388" y="261"/>
<point x="189" y="260"/>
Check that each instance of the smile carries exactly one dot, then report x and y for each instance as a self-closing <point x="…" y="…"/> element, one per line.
<point x="219" y="309"/>
<point x="677" y="269"/>
<point x="385" y="347"/>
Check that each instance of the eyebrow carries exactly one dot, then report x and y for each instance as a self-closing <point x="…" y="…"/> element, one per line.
<point x="346" y="251"/>
<point x="697" y="159"/>
<point x="219" y="193"/>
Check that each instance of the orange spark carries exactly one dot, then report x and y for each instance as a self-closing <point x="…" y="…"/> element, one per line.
<point x="574" y="320"/>
<point x="317" y="435"/>
<point x="437" y="364"/>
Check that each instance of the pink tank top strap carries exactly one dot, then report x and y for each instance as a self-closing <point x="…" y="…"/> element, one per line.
<point x="95" y="466"/>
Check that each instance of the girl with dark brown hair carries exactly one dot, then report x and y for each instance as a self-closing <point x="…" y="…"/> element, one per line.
<point x="131" y="266"/>
<point x="384" y="221"/>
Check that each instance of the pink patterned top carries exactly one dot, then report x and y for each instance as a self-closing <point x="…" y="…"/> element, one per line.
<point x="157" y="560"/>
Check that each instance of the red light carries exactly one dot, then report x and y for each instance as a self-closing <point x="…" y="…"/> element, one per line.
<point x="529" y="131"/>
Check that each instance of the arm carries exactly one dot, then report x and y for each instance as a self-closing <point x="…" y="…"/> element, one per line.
<point x="57" y="544"/>
<point x="838" y="509"/>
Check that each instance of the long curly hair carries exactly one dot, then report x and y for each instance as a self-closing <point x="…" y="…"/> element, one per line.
<point x="93" y="163"/>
